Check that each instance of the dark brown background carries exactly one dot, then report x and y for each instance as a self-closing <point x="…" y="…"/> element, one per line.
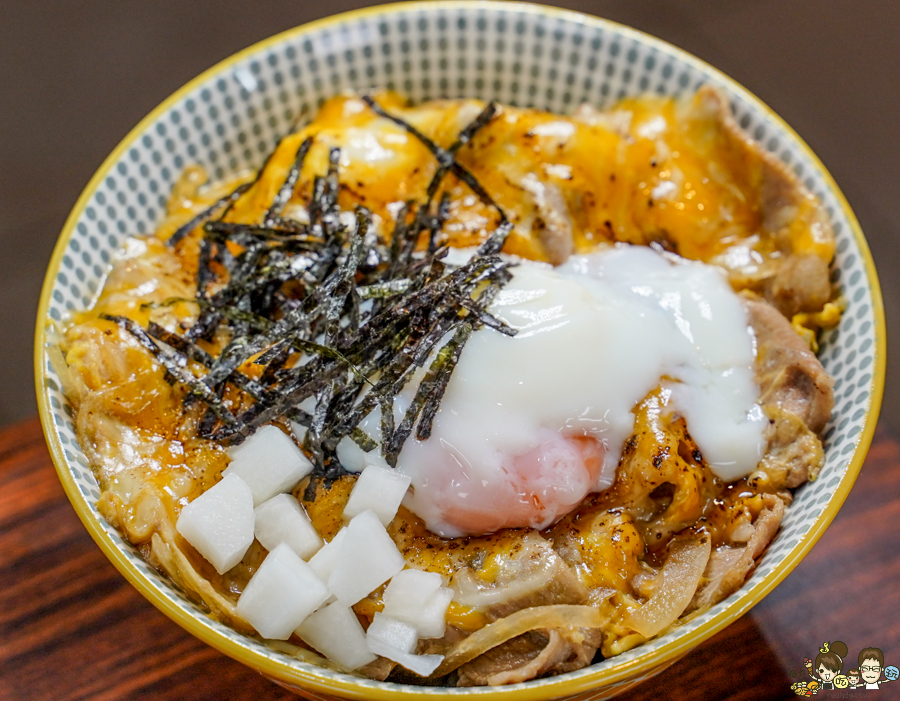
<point x="76" y="76"/>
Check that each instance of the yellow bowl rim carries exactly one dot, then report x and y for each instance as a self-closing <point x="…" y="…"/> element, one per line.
<point x="554" y="687"/>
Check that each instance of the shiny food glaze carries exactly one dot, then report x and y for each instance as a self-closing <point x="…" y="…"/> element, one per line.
<point x="651" y="171"/>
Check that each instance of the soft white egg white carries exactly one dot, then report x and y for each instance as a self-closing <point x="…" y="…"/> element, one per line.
<point x="531" y="424"/>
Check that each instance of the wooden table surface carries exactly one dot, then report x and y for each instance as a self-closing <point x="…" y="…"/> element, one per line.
<point x="71" y="627"/>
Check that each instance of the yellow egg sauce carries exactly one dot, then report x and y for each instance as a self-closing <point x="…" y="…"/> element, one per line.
<point x="650" y="171"/>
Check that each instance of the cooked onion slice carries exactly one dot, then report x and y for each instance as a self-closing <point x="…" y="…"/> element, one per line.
<point x="516" y="624"/>
<point x="676" y="584"/>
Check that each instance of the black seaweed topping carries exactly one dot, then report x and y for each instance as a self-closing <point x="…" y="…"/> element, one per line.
<point x="206" y="214"/>
<point x="329" y="314"/>
<point x="287" y="189"/>
<point x="446" y="158"/>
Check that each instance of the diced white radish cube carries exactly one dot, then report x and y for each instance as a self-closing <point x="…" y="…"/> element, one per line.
<point x="432" y="621"/>
<point x="219" y="523"/>
<point x="335" y="632"/>
<point x="392" y="632"/>
<point x="355" y="459"/>
<point x="423" y="665"/>
<point x="281" y="594"/>
<point x="410" y="589"/>
<point x="367" y="559"/>
<point x="281" y="519"/>
<point x="323" y="562"/>
<point x="380" y="489"/>
<point x="418" y="598"/>
<point x="299" y="431"/>
<point x="350" y="455"/>
<point x="269" y="462"/>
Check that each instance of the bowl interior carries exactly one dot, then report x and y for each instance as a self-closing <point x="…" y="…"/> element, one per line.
<point x="230" y="118"/>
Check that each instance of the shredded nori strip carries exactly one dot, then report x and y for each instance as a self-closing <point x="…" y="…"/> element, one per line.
<point x="438" y="384"/>
<point x="174" y="365"/>
<point x="287" y="189"/>
<point x="228" y="200"/>
<point x="383" y="290"/>
<point x="249" y="234"/>
<point x="446" y="158"/>
<point x="330" y="314"/>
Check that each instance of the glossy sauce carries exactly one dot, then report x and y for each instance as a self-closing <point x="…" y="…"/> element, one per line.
<point x="649" y="171"/>
<point x="531" y="424"/>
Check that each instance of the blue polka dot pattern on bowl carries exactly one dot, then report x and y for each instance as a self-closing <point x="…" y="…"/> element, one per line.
<point x="231" y="118"/>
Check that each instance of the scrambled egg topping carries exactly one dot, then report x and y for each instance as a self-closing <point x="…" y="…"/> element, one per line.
<point x="651" y="171"/>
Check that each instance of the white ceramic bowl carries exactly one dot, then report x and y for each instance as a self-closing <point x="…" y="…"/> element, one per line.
<point x="229" y="118"/>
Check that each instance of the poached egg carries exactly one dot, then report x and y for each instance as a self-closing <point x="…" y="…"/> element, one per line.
<point x="531" y="424"/>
